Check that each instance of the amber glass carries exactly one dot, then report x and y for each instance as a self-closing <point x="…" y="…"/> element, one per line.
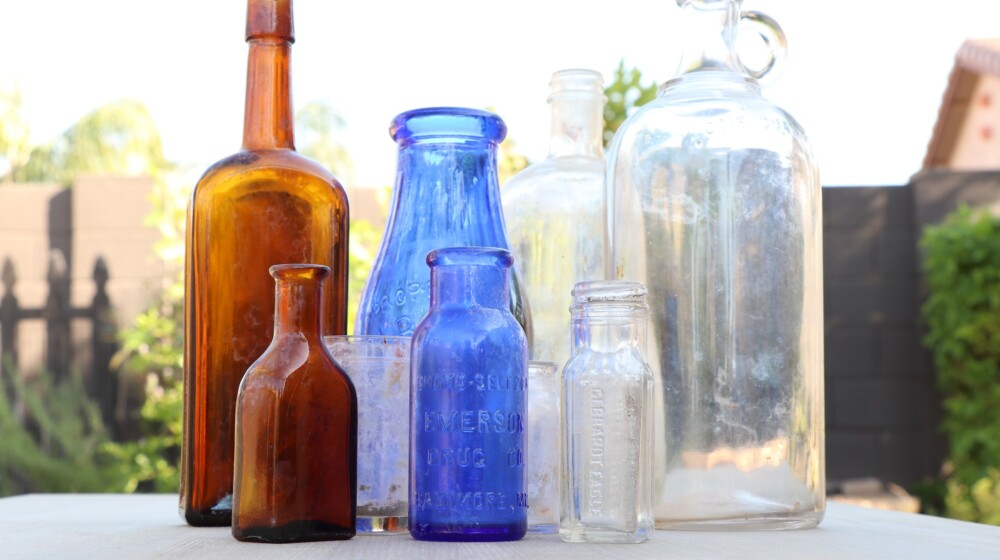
<point x="264" y="205"/>
<point x="296" y="427"/>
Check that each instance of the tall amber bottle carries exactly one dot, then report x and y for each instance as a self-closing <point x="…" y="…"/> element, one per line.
<point x="296" y="427"/>
<point x="264" y="205"/>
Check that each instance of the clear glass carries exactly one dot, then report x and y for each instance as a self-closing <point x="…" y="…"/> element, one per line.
<point x="446" y="195"/>
<point x="607" y="417"/>
<point x="555" y="211"/>
<point x="542" y="459"/>
<point x="379" y="366"/>
<point x="296" y="426"/>
<point x="468" y="385"/>
<point x="715" y="205"/>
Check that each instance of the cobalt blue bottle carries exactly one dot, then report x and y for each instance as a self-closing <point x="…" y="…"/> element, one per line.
<point x="446" y="194"/>
<point x="468" y="389"/>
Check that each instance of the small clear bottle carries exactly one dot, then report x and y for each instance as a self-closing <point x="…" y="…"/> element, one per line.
<point x="607" y="417"/>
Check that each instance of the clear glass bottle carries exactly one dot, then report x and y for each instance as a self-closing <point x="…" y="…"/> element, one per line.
<point x="555" y="211"/>
<point x="716" y="206"/>
<point x="262" y="206"/>
<point x="446" y="195"/>
<point x="607" y="417"/>
<point x="468" y="399"/>
<point x="295" y="476"/>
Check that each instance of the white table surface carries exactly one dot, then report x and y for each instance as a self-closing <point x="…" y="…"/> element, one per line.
<point x="147" y="526"/>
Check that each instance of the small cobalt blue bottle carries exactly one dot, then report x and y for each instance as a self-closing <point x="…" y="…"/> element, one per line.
<point x="468" y="401"/>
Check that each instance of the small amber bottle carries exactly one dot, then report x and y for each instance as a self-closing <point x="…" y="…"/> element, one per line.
<point x="296" y="427"/>
<point x="264" y="205"/>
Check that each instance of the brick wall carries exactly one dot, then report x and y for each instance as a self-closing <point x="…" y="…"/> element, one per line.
<point x="882" y="409"/>
<point x="97" y="217"/>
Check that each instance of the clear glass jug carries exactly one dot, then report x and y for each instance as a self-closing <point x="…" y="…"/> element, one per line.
<point x="715" y="206"/>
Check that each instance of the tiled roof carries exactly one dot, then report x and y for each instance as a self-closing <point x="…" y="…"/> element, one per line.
<point x="981" y="56"/>
<point x="976" y="57"/>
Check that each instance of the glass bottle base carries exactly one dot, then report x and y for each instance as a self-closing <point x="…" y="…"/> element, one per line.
<point x="479" y="533"/>
<point x="382" y="525"/>
<point x="296" y="531"/>
<point x="543" y="528"/>
<point x="580" y="534"/>
<point x="769" y="522"/>
<point x="219" y="515"/>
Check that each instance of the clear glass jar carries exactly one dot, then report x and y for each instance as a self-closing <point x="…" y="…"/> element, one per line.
<point x="607" y="417"/>
<point x="716" y="207"/>
<point x="542" y="458"/>
<point x="555" y="211"/>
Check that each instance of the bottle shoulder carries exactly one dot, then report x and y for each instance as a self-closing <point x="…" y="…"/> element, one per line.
<point x="271" y="170"/>
<point x="455" y="322"/>
<point x="709" y="124"/>
<point x="295" y="362"/>
<point x="568" y="179"/>
<point x="587" y="362"/>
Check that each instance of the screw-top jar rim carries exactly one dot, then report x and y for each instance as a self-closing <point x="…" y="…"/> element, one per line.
<point x="448" y="123"/>
<point x="609" y="291"/>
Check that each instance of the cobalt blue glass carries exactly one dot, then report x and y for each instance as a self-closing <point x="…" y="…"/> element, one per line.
<point x="446" y="195"/>
<point x="468" y="399"/>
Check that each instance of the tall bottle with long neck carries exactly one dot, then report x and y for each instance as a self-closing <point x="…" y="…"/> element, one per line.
<point x="262" y="206"/>
<point x="555" y="211"/>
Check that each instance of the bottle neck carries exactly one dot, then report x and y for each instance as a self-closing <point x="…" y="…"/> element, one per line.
<point x="577" y="125"/>
<point x="268" y="120"/>
<point x="609" y="328"/>
<point x="297" y="308"/>
<point x="710" y="35"/>
<point x="482" y="286"/>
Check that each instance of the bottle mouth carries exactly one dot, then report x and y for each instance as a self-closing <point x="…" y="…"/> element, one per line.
<point x="708" y="4"/>
<point x="448" y="123"/>
<point x="270" y="19"/>
<point x="576" y="81"/>
<point x="299" y="272"/>
<point x="609" y="291"/>
<point x="470" y="256"/>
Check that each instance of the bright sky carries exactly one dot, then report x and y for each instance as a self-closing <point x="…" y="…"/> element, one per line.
<point x="863" y="77"/>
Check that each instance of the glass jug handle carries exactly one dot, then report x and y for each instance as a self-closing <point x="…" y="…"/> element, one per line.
<point x="774" y="39"/>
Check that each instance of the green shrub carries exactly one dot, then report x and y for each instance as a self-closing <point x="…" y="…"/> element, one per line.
<point x="962" y="269"/>
<point x="54" y="443"/>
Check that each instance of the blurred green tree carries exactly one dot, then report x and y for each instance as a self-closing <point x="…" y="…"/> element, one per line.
<point x="625" y="93"/>
<point x="117" y="138"/>
<point x="15" y="136"/>
<point x="317" y="125"/>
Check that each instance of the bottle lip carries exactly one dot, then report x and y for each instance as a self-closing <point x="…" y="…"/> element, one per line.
<point x="609" y="291"/>
<point x="299" y="272"/>
<point x="270" y="19"/>
<point x="470" y="256"/>
<point x="579" y="82"/>
<point x="543" y="369"/>
<point x="448" y="123"/>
